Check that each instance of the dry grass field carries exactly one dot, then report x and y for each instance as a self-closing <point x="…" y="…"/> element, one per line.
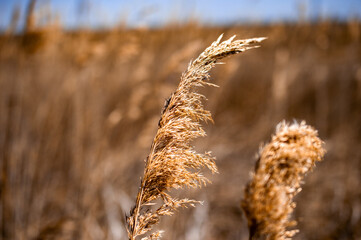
<point x="79" y="111"/>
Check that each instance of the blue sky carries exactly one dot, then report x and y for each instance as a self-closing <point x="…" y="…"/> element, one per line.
<point x="74" y="13"/>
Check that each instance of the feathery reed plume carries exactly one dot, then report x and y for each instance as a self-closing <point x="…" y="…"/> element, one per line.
<point x="171" y="156"/>
<point x="279" y="171"/>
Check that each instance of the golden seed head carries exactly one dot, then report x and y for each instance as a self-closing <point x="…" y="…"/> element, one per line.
<point x="282" y="164"/>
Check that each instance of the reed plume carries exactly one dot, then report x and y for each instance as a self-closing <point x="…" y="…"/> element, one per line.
<point x="282" y="164"/>
<point x="172" y="161"/>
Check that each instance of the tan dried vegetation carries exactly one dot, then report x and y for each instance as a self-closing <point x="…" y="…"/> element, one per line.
<point x="282" y="164"/>
<point x="64" y="177"/>
<point x="268" y="201"/>
<point x="172" y="156"/>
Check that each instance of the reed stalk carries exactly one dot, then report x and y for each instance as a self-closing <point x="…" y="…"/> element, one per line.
<point x="172" y="162"/>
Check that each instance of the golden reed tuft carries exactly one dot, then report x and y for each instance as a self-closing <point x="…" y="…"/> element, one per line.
<point x="279" y="171"/>
<point x="172" y="158"/>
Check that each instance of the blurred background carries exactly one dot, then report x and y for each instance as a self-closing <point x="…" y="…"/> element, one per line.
<point x="82" y="85"/>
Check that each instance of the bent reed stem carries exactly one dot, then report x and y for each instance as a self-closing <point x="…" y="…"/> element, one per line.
<point x="172" y="162"/>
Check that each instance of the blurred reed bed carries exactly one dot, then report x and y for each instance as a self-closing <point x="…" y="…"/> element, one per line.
<point x="79" y="109"/>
